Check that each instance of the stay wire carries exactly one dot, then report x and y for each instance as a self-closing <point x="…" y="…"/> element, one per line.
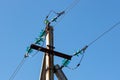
<point x="17" y="69"/>
<point x="104" y="33"/>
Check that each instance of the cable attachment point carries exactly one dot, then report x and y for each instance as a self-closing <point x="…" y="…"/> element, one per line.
<point x="61" y="13"/>
<point x="58" y="15"/>
<point x="26" y="55"/>
<point x="84" y="48"/>
<point x="48" y="22"/>
<point x="81" y="51"/>
<point x="65" y="63"/>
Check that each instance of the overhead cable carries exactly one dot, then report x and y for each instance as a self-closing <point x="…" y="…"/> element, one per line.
<point x="17" y="69"/>
<point x="60" y="14"/>
<point x="73" y="4"/>
<point x="82" y="51"/>
<point x="104" y="33"/>
<point x="40" y="41"/>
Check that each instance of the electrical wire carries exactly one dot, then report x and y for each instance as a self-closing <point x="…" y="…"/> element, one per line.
<point x="77" y="64"/>
<point x="104" y="33"/>
<point x="73" y="4"/>
<point x="84" y="48"/>
<point x="22" y="62"/>
<point x="66" y="62"/>
<point x="38" y="51"/>
<point x="20" y="66"/>
<point x="17" y="69"/>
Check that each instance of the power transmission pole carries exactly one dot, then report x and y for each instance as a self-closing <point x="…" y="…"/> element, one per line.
<point x="48" y="68"/>
<point x="47" y="72"/>
<point x="49" y="56"/>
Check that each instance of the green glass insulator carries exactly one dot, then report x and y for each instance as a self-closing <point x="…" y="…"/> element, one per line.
<point x="42" y="33"/>
<point x="39" y="41"/>
<point x="42" y="39"/>
<point x="54" y="19"/>
<point x="65" y="62"/>
<point x="29" y="50"/>
<point x="46" y="22"/>
<point x="78" y="52"/>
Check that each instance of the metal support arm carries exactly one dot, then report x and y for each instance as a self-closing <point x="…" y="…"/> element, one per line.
<point x="36" y="47"/>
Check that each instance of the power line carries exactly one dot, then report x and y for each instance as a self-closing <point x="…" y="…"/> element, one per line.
<point x="73" y="4"/>
<point x="44" y="34"/>
<point x="77" y="64"/>
<point x="66" y="61"/>
<point x="111" y="28"/>
<point x="64" y="12"/>
<point x="17" y="69"/>
<point x="40" y="41"/>
<point x="82" y="51"/>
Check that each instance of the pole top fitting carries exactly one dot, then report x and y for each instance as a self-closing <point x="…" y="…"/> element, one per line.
<point x="49" y="28"/>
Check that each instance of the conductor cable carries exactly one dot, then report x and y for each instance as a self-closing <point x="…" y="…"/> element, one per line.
<point x="17" y="69"/>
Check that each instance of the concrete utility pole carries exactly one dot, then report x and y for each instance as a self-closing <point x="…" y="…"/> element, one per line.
<point x="48" y="68"/>
<point x="49" y="56"/>
<point x="47" y="72"/>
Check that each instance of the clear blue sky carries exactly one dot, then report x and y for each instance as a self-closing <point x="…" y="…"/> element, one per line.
<point x="22" y="20"/>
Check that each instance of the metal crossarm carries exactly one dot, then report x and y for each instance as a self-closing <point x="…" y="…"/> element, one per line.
<point x="59" y="54"/>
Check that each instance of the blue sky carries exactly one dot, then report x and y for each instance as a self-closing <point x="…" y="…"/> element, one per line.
<point x="22" y="20"/>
